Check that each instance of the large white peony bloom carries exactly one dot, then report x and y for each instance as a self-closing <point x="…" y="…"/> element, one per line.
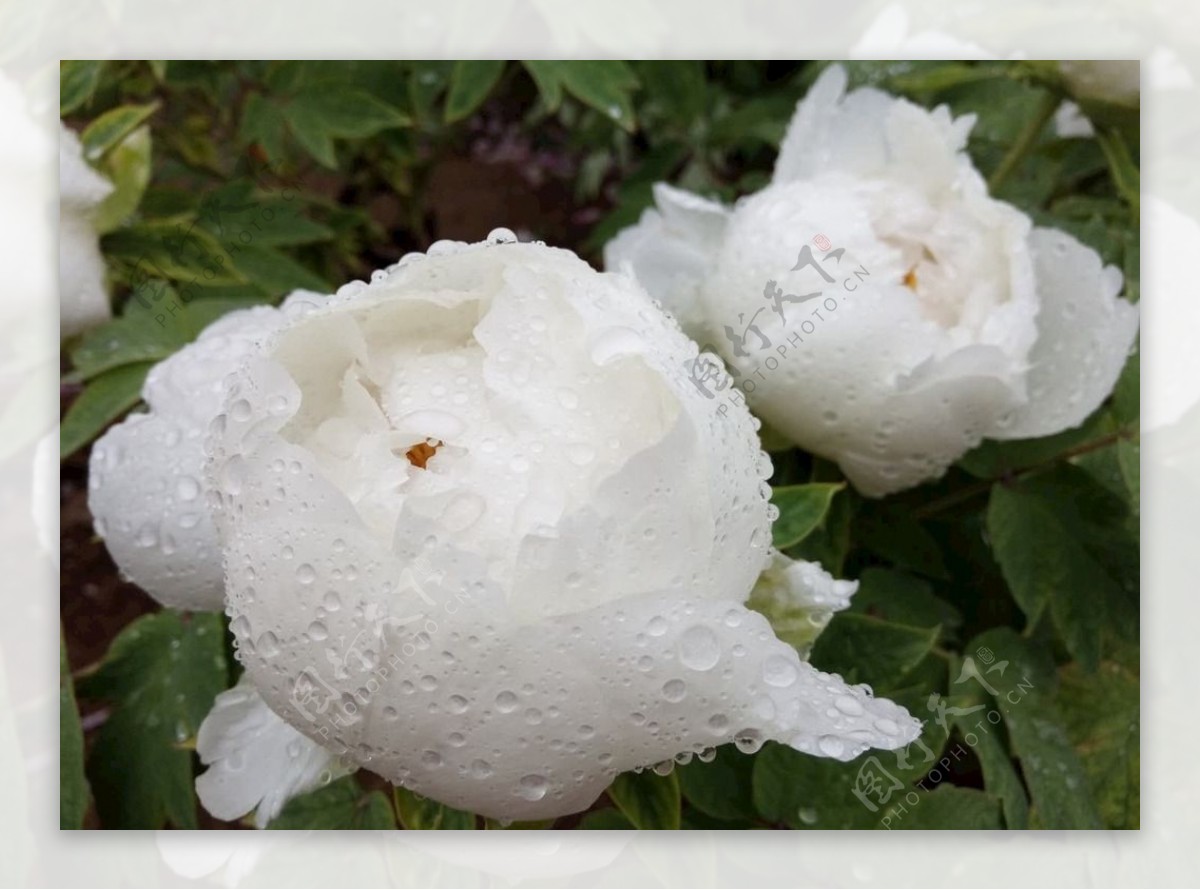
<point x="879" y="307"/>
<point x="83" y="297"/>
<point x="483" y="536"/>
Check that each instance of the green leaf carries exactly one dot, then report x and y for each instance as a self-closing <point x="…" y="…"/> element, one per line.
<point x="868" y="650"/>
<point x="1101" y="714"/>
<point x="470" y="83"/>
<point x="179" y="251"/>
<point x="545" y="76"/>
<point x="678" y="87"/>
<point x="110" y="129"/>
<point x="161" y="675"/>
<point x="263" y="124"/>
<point x="106" y="397"/>
<point x="127" y="166"/>
<point x="1044" y="563"/>
<point x="77" y="83"/>
<point x="321" y="112"/>
<point x="649" y="801"/>
<point x="72" y="783"/>
<point x="608" y="819"/>
<point x="999" y="776"/>
<point x="338" y="806"/>
<point x="1122" y="166"/>
<point x="1129" y="458"/>
<point x="1058" y="785"/>
<point x="419" y="813"/>
<point x="722" y="788"/>
<point x="801" y="509"/>
<point x="603" y="84"/>
<point x="274" y="271"/>
<point x="900" y="598"/>
<point x="903" y="541"/>
<point x="133" y="338"/>
<point x="948" y="807"/>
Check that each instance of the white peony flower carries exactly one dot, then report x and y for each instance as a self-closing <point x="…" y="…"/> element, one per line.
<point x="1113" y="80"/>
<point x="145" y="475"/>
<point x="83" y="297"/>
<point x="877" y="306"/>
<point x="481" y="535"/>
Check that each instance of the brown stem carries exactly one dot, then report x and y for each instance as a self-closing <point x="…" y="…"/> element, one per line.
<point x="970" y="491"/>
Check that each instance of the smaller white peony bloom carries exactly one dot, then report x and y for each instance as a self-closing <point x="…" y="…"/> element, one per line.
<point x="146" y="474"/>
<point x="481" y="535"/>
<point x="876" y="305"/>
<point x="83" y="296"/>
<point x="1116" y="80"/>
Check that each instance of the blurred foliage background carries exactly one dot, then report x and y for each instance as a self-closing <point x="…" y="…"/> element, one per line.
<point x="1007" y="591"/>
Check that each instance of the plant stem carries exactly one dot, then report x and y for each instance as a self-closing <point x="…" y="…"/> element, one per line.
<point x="969" y="491"/>
<point x="1025" y="141"/>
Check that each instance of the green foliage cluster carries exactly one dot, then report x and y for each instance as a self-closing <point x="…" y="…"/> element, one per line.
<point x="999" y="604"/>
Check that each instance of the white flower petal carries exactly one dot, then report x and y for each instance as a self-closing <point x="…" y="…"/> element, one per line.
<point x="255" y="760"/>
<point x="83" y="296"/>
<point x="147" y="490"/>
<point x="1085" y="332"/>
<point x="799" y="598"/>
<point x="671" y="250"/>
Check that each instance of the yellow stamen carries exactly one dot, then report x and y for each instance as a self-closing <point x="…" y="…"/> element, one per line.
<point x="910" y="278"/>
<point x="420" y="453"/>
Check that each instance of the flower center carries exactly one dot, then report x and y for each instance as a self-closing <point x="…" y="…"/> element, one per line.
<point x="420" y="453"/>
<point x="910" y="279"/>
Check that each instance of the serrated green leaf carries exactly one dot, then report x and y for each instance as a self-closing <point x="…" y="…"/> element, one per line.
<point x="649" y="801"/>
<point x="869" y="650"/>
<point x="801" y="509"/>
<point x="106" y="397"/>
<point x="109" y="129"/>
<point x="419" y="813"/>
<point x="341" y="805"/>
<point x="470" y="83"/>
<point x="77" y="83"/>
<point x="721" y="788"/>
<point x="72" y="783"/>
<point x="161" y="675"/>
